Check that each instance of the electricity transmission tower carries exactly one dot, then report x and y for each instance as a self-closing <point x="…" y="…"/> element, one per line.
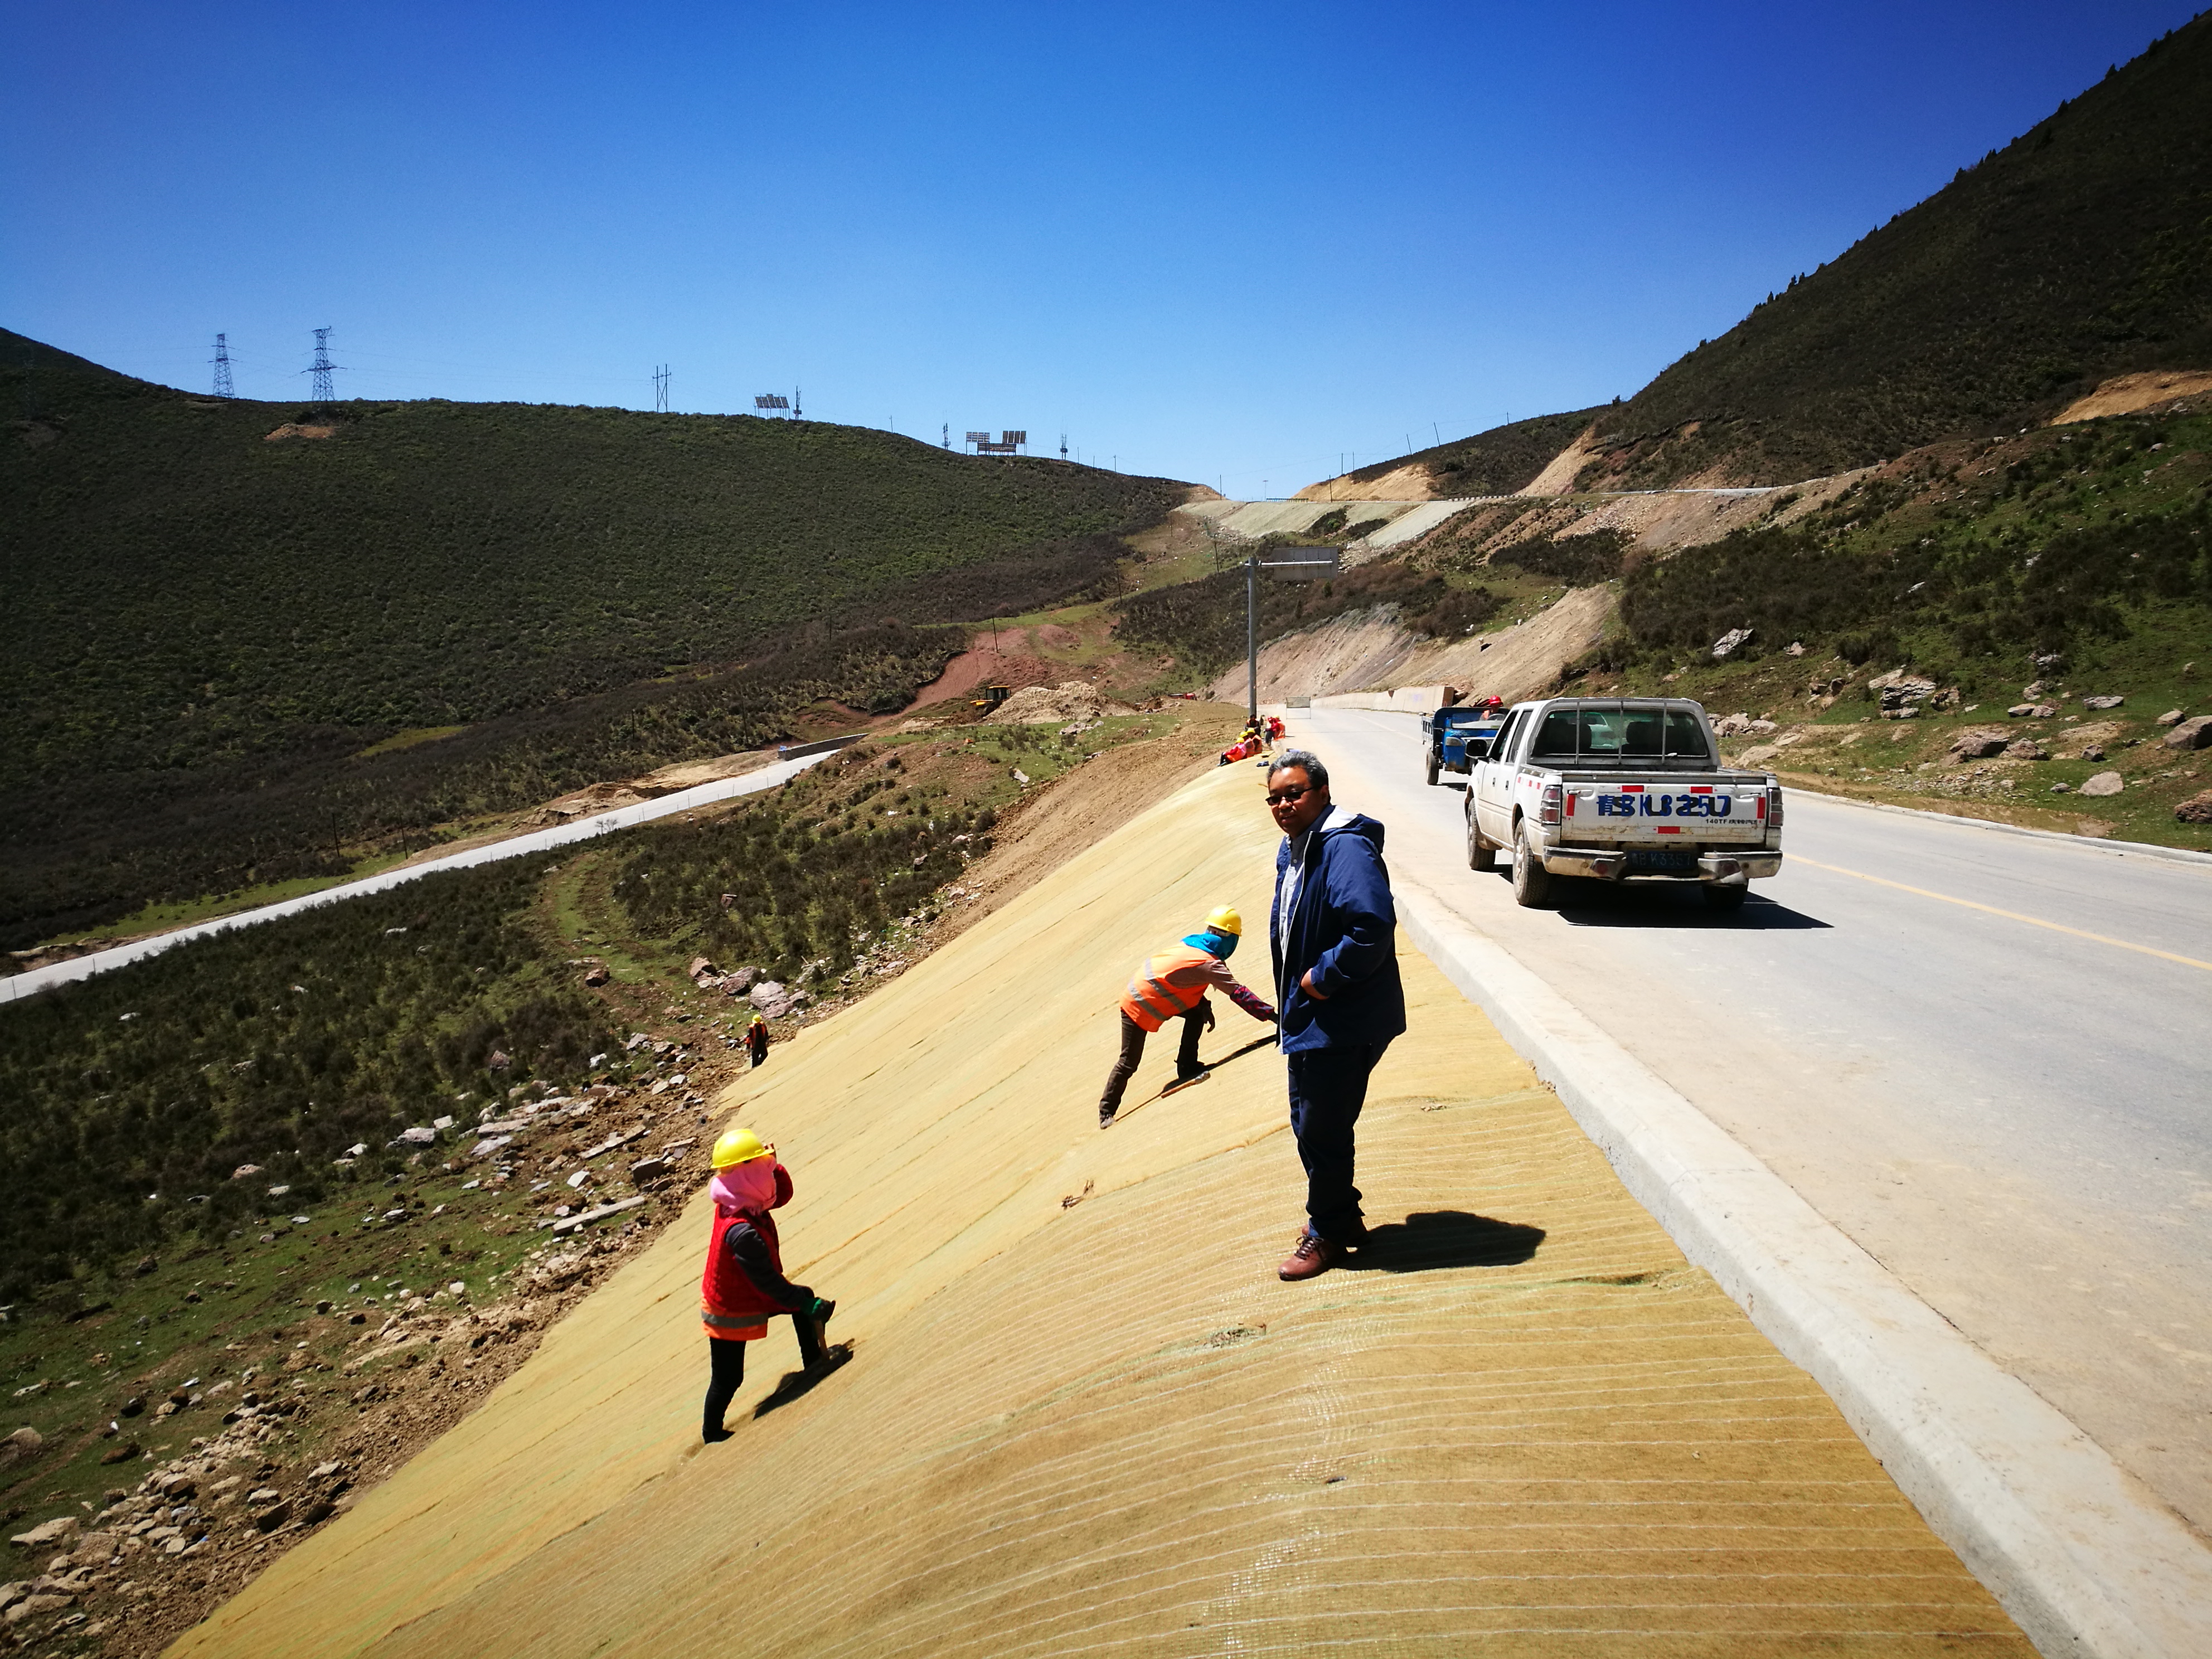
<point x="660" y="390"/>
<point x="1063" y="445"/>
<point x="222" y="386"/>
<point x="322" y="367"/>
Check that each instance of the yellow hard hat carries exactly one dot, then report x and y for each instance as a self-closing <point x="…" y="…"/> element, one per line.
<point x="1224" y="919"/>
<point x="738" y="1146"/>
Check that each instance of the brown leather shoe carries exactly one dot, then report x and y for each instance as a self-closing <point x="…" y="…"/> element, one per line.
<point x="1313" y="1257"/>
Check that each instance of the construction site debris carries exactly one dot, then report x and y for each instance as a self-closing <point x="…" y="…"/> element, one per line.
<point x="1047" y="705"/>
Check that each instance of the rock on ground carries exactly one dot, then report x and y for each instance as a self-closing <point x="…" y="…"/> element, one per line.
<point x="2105" y="783"/>
<point x="2191" y="734"/>
<point x="2197" y="808"/>
<point x="1980" y="742"/>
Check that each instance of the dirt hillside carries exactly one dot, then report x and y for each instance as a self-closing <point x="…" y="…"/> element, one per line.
<point x="1083" y="1413"/>
<point x="1362" y="651"/>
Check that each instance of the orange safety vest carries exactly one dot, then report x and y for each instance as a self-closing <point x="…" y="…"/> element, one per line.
<point x="1155" y="997"/>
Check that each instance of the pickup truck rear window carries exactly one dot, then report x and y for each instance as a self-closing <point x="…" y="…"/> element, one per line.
<point x="1621" y="734"/>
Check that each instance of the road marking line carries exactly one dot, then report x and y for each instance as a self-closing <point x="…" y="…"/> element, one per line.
<point x="2010" y="916"/>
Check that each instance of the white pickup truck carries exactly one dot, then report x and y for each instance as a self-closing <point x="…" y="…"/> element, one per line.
<point x="1622" y="789"/>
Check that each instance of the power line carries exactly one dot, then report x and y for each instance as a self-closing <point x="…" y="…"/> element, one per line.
<point x="222" y="385"/>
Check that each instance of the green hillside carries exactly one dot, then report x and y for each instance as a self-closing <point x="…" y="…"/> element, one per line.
<point x="2081" y="250"/>
<point x="206" y="626"/>
<point x="1493" y="463"/>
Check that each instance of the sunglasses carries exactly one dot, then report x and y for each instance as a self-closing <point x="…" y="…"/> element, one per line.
<point x="1285" y="797"/>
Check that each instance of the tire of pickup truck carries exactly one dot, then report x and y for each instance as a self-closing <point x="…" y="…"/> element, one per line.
<point x="1532" y="882"/>
<point x="1725" y="899"/>
<point x="1481" y="854"/>
<point x="1433" y="764"/>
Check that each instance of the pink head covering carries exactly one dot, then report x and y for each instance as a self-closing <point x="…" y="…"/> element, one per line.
<point x="749" y="1186"/>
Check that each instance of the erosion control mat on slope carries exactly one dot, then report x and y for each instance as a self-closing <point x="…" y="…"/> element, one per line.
<point x="1525" y="1426"/>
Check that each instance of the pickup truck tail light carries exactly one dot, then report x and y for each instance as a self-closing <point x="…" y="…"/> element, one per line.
<point x="1774" y="806"/>
<point x="1547" y="811"/>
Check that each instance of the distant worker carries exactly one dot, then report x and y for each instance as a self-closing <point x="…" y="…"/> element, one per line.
<point x="757" y="1038"/>
<point x="1172" y="985"/>
<point x="1243" y="748"/>
<point x="743" y="1287"/>
<point x="1334" y="930"/>
<point x="1274" y="730"/>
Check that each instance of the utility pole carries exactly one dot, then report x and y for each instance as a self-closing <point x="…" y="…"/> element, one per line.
<point x="1296" y="570"/>
<point x="660" y="378"/>
<point x="797" y="413"/>
<point x="222" y="386"/>
<point x="1252" y="637"/>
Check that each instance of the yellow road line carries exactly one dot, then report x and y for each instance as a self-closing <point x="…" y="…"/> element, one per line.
<point x="2010" y="916"/>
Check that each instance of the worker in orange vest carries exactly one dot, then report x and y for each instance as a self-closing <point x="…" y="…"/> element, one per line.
<point x="1172" y="985"/>
<point x="743" y="1287"/>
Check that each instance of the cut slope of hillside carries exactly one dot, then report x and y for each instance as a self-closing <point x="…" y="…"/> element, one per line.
<point x="1084" y="1413"/>
<point x="2081" y="250"/>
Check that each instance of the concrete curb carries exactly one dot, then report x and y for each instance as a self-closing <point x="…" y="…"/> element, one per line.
<point x="16" y="986"/>
<point x="2119" y="848"/>
<point x="2085" y="1558"/>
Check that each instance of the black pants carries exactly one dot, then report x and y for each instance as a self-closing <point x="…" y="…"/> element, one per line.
<point x="1328" y="1086"/>
<point x="726" y="1366"/>
<point x="1196" y="1019"/>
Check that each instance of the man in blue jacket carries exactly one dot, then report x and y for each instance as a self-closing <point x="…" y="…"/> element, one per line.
<point x="1336" y="981"/>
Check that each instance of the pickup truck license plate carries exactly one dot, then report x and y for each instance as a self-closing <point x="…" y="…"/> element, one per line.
<point x="1662" y="858"/>
<point x="1653" y="803"/>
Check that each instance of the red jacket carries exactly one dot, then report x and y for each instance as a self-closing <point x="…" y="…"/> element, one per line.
<point x="736" y="1298"/>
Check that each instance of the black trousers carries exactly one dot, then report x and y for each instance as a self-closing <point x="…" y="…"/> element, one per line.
<point x="1196" y="1019"/>
<point x="726" y="1366"/>
<point x="1328" y="1086"/>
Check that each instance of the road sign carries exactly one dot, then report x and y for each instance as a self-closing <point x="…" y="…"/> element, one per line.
<point x="1304" y="564"/>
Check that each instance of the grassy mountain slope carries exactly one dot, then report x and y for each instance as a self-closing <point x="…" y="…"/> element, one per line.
<point x="2081" y="250"/>
<point x="206" y="625"/>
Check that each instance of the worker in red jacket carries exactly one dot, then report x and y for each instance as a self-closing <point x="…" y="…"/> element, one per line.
<point x="743" y="1287"/>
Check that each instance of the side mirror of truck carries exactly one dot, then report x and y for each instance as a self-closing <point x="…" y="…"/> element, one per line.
<point x="1478" y="749"/>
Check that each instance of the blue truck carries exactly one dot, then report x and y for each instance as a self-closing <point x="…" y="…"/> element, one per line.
<point x="1445" y="734"/>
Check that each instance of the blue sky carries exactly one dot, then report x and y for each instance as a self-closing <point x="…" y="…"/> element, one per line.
<point x="1225" y="243"/>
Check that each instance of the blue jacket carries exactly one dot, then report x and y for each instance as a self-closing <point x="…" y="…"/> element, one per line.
<point x="1342" y="927"/>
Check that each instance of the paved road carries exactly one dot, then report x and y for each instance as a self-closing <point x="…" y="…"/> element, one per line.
<point x="17" y="985"/>
<point x="1913" y="1025"/>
